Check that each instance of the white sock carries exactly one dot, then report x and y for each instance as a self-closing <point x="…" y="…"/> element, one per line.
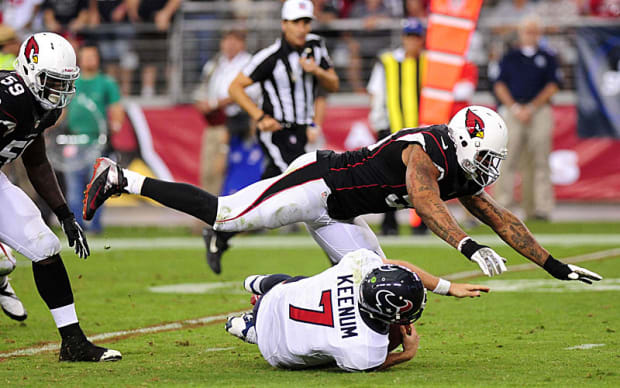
<point x="252" y="284"/>
<point x="65" y="315"/>
<point x="134" y="181"/>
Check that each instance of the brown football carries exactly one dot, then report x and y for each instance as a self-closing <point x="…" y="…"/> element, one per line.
<point x="395" y="337"/>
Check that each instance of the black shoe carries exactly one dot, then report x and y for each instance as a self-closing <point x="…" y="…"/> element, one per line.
<point x="81" y="349"/>
<point x="216" y="246"/>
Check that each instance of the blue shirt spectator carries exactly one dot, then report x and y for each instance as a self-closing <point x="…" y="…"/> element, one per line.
<point x="528" y="78"/>
<point x="527" y="72"/>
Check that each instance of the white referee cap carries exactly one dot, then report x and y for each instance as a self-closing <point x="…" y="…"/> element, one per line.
<point x="297" y="9"/>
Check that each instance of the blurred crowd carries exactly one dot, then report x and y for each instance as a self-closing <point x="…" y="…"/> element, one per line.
<point x="133" y="36"/>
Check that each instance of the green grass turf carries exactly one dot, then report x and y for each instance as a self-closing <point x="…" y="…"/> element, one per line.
<point x="500" y="339"/>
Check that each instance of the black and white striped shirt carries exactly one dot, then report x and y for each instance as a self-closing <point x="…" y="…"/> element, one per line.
<point x="288" y="95"/>
<point x="288" y="92"/>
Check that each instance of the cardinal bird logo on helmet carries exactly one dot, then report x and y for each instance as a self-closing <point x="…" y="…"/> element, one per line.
<point x="31" y="51"/>
<point x="474" y="124"/>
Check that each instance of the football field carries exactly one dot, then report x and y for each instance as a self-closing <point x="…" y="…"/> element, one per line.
<point x="149" y="294"/>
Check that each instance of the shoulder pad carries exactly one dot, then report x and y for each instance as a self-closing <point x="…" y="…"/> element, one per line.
<point x="15" y="100"/>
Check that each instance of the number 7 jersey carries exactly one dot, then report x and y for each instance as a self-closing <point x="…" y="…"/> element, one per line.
<point x="22" y="119"/>
<point x="316" y="320"/>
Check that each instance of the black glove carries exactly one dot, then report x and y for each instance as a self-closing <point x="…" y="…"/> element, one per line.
<point x="75" y="234"/>
<point x="562" y="271"/>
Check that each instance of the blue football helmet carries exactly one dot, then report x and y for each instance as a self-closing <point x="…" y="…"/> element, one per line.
<point x="392" y="294"/>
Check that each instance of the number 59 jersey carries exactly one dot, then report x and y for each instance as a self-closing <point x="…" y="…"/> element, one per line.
<point x="22" y="119"/>
<point x="316" y="320"/>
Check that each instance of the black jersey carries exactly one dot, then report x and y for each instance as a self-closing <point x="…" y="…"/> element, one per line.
<point x="372" y="179"/>
<point x="22" y="119"/>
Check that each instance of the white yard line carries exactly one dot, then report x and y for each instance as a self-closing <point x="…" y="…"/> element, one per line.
<point x="219" y="349"/>
<point x="584" y="346"/>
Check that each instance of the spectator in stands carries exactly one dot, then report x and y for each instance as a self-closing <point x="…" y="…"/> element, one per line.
<point x="152" y="46"/>
<point x="416" y="8"/>
<point x="325" y="10"/>
<point x="224" y="117"/>
<point x="364" y="44"/>
<point x="555" y="10"/>
<point x="97" y="96"/>
<point x="65" y="16"/>
<point x="395" y="88"/>
<point x="22" y="15"/>
<point x="601" y="8"/>
<point x="511" y="11"/>
<point x="9" y="47"/>
<point x="114" y="40"/>
<point x="527" y="80"/>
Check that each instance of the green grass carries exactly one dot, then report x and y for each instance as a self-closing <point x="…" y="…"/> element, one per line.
<point x="500" y="339"/>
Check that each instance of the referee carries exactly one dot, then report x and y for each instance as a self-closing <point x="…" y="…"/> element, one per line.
<point x="290" y="72"/>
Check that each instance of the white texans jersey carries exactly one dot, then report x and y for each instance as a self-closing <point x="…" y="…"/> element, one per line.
<point x="316" y="321"/>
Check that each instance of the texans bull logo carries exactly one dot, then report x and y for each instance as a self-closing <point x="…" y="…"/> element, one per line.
<point x="474" y="125"/>
<point x="31" y="51"/>
<point x="386" y="298"/>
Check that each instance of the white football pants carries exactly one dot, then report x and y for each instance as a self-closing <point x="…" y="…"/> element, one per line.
<point x="21" y="225"/>
<point x="302" y="197"/>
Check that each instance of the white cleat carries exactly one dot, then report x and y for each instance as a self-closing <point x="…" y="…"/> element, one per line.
<point x="242" y="327"/>
<point x="10" y="303"/>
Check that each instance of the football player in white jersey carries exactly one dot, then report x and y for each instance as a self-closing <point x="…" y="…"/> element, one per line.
<point x="342" y="315"/>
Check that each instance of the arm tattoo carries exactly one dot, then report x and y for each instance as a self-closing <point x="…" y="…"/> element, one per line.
<point x="506" y="225"/>
<point x="423" y="191"/>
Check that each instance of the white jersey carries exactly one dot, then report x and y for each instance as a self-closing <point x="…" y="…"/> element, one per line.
<point x="316" y="321"/>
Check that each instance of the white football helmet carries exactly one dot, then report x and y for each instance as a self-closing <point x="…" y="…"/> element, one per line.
<point x="46" y="62"/>
<point x="480" y="136"/>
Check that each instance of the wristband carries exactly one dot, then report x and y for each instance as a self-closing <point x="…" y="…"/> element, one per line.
<point x="468" y="247"/>
<point x="460" y="245"/>
<point x="261" y="118"/>
<point x="443" y="287"/>
<point x="556" y="268"/>
<point x="63" y="212"/>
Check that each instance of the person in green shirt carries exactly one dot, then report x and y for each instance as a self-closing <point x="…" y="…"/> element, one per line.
<point x="9" y="47"/>
<point x="95" y="111"/>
